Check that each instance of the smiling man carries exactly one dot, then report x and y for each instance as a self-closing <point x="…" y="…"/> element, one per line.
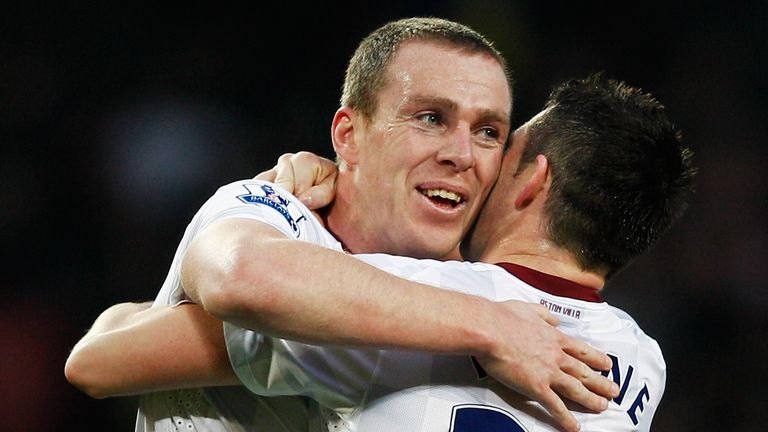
<point x="423" y="159"/>
<point x="425" y="115"/>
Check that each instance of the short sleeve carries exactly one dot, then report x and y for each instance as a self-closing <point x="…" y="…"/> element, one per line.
<point x="258" y="200"/>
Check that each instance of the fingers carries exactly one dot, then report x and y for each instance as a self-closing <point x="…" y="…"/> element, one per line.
<point x="308" y="176"/>
<point x="585" y="387"/>
<point x="560" y="413"/>
<point x="321" y="195"/>
<point x="544" y="313"/>
<point x="315" y="179"/>
<point x="584" y="360"/>
<point x="593" y="358"/>
<point x="600" y="385"/>
<point x="307" y="172"/>
<point x="285" y="177"/>
<point x="268" y="175"/>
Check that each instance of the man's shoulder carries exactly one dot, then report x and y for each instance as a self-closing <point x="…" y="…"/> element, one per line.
<point x="269" y="203"/>
<point x="251" y="191"/>
<point x="467" y="277"/>
<point x="399" y="261"/>
<point x="634" y="331"/>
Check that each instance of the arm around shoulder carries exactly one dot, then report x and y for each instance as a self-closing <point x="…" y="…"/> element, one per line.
<point x="82" y="368"/>
<point x="133" y="349"/>
<point x="245" y="272"/>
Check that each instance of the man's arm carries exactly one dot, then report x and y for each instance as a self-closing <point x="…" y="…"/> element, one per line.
<point x="132" y="349"/>
<point x="247" y="273"/>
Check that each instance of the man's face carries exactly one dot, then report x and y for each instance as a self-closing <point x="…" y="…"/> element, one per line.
<point x="499" y="212"/>
<point x="432" y="150"/>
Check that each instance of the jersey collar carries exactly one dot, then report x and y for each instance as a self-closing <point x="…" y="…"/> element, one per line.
<point x="552" y="284"/>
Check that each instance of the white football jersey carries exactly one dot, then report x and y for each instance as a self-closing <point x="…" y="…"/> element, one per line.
<point x="387" y="390"/>
<point x="233" y="408"/>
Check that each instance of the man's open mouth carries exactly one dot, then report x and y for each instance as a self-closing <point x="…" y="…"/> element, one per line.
<point x="443" y="197"/>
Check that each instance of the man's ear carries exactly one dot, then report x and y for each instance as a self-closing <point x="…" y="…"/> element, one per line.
<point x="343" y="135"/>
<point x="535" y="178"/>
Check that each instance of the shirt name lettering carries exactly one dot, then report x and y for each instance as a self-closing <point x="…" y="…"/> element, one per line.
<point x="637" y="402"/>
<point x="560" y="309"/>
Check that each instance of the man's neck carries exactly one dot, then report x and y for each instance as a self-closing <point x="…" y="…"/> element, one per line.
<point x="341" y="220"/>
<point x="544" y="257"/>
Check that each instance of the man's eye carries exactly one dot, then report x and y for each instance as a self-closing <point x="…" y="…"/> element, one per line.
<point x="490" y="132"/>
<point x="430" y="118"/>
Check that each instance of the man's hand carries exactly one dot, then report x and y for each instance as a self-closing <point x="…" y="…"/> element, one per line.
<point x="542" y="363"/>
<point x="308" y="176"/>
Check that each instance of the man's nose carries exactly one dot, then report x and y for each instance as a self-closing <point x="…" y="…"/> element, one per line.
<point x="457" y="150"/>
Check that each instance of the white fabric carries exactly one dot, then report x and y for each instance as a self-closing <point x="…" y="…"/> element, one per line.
<point x="232" y="408"/>
<point x="380" y="390"/>
<point x="373" y="390"/>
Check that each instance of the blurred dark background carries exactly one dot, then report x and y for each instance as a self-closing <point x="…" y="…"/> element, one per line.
<point x="118" y="121"/>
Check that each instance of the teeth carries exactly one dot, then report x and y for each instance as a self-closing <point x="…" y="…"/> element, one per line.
<point x="442" y="193"/>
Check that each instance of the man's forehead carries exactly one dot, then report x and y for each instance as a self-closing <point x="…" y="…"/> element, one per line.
<point x="426" y="56"/>
<point x="418" y="77"/>
<point x="425" y="79"/>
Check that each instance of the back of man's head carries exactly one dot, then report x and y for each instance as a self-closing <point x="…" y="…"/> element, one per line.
<point x="366" y="72"/>
<point x="621" y="175"/>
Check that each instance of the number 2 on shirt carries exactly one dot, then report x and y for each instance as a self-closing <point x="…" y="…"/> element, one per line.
<point x="483" y="418"/>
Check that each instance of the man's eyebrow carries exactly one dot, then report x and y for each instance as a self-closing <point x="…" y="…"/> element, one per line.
<point x="491" y="116"/>
<point x="432" y="100"/>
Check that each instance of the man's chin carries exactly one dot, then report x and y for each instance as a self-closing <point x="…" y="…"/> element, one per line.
<point x="431" y="243"/>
